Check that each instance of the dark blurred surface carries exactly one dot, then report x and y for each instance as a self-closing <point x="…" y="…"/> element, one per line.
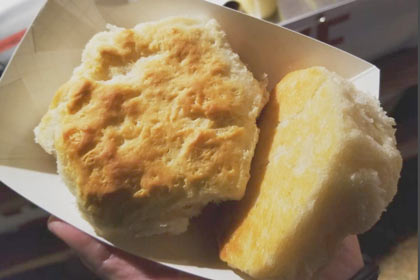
<point x="70" y="269"/>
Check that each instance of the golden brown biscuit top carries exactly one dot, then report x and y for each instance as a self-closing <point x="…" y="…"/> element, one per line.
<point x="156" y="109"/>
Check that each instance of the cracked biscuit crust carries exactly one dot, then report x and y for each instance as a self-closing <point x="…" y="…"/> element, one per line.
<point x="155" y="123"/>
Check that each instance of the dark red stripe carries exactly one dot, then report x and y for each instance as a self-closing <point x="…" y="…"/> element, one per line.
<point x="11" y="40"/>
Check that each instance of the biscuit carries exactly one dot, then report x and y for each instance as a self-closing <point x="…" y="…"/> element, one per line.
<point x="156" y="122"/>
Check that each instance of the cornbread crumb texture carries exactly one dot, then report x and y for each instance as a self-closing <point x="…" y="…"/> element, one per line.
<point x="156" y="122"/>
<point x="326" y="166"/>
<point x="402" y="262"/>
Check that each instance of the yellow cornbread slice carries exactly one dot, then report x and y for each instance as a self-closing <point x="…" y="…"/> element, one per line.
<point x="326" y="166"/>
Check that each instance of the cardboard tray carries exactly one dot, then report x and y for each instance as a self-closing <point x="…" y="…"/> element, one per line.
<point x="51" y="49"/>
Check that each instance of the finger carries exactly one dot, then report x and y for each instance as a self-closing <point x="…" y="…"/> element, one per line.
<point x="92" y="253"/>
<point x="109" y="262"/>
<point x="347" y="261"/>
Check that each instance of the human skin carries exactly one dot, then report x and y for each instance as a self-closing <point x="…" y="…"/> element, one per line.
<point x="113" y="264"/>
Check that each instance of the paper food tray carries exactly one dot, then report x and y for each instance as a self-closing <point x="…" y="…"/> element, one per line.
<point x="51" y="49"/>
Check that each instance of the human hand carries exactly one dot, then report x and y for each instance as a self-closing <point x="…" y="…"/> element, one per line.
<point x="113" y="264"/>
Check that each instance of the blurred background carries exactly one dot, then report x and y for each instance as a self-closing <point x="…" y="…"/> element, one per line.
<point x="383" y="32"/>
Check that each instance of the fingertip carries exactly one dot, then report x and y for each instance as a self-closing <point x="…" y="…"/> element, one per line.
<point x="57" y="226"/>
<point x="346" y="262"/>
<point x="52" y="224"/>
<point x="69" y="234"/>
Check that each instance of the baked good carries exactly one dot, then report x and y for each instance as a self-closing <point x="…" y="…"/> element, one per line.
<point x="155" y="123"/>
<point x="402" y="261"/>
<point x="326" y="166"/>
